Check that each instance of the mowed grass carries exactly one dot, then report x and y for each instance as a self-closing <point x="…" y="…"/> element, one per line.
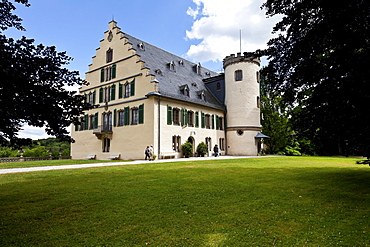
<point x="7" y="165"/>
<point x="285" y="201"/>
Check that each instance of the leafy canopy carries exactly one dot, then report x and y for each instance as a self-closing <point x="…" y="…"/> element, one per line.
<point x="319" y="62"/>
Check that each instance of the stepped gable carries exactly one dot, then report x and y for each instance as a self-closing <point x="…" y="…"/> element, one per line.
<point x="173" y="77"/>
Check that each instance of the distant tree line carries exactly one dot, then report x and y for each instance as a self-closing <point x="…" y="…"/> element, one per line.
<point x="37" y="148"/>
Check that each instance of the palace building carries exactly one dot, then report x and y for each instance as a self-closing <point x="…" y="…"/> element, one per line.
<point x="148" y="96"/>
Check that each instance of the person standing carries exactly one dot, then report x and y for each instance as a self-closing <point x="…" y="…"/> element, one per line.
<point x="215" y="150"/>
<point x="151" y="152"/>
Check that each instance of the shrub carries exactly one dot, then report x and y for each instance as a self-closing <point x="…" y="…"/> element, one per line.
<point x="202" y="149"/>
<point x="8" y="152"/>
<point x="39" y="151"/>
<point x="187" y="149"/>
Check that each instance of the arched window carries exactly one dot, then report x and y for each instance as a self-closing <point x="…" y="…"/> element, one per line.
<point x="109" y="55"/>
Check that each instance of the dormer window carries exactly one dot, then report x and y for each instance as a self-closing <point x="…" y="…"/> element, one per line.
<point x="184" y="90"/>
<point x="158" y="72"/>
<point x="172" y="65"/>
<point x="109" y="55"/>
<point x="197" y="69"/>
<point x="202" y="95"/>
<point x="141" y="46"/>
<point x="181" y="62"/>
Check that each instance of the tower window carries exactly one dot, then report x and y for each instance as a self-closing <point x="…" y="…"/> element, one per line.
<point x="238" y="75"/>
<point x="109" y="55"/>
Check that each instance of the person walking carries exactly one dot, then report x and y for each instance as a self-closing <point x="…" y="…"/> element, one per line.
<point x="215" y="150"/>
<point x="147" y="153"/>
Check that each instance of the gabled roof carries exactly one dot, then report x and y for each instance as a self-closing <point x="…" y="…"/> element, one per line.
<point x="175" y="73"/>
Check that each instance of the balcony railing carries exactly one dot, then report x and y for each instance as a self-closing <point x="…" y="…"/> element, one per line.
<point x="101" y="129"/>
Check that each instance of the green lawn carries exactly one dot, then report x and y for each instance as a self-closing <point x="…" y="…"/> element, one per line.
<point x="287" y="201"/>
<point x="50" y="163"/>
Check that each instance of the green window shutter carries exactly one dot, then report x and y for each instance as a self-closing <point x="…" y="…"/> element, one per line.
<point x="120" y="91"/>
<point x="102" y="75"/>
<point x="85" y="98"/>
<point x="101" y="95"/>
<point x="182" y="117"/>
<point x="94" y="97"/>
<point x="197" y="119"/>
<point x="132" y="87"/>
<point x="217" y="122"/>
<point x="76" y="127"/>
<point x="113" y="71"/>
<point x="202" y="120"/>
<point x="114" y="117"/>
<point x="169" y="115"/>
<point x="127" y="115"/>
<point x="96" y="121"/>
<point x="141" y="114"/>
<point x="113" y="92"/>
<point x="86" y="122"/>
<point x="213" y="121"/>
<point x="186" y="117"/>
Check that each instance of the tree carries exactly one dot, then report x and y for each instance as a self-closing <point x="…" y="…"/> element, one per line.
<point x="32" y="84"/>
<point x="318" y="62"/>
<point x="275" y="122"/>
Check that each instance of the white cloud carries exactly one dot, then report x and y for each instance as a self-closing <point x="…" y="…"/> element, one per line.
<point x="32" y="132"/>
<point x="217" y="24"/>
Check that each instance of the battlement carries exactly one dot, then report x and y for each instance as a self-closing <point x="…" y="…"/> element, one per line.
<point x="246" y="57"/>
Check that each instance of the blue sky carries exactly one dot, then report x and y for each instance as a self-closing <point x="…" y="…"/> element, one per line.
<point x="202" y="31"/>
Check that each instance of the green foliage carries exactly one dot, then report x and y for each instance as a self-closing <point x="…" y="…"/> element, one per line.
<point x="275" y="121"/>
<point x="39" y="151"/>
<point x="187" y="149"/>
<point x="8" y="152"/>
<point x="322" y="76"/>
<point x="202" y="149"/>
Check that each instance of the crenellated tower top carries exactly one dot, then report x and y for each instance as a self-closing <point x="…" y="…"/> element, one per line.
<point x="246" y="57"/>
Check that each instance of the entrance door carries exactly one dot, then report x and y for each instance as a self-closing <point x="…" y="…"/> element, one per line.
<point x="191" y="140"/>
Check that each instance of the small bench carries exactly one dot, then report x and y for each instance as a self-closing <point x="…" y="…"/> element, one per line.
<point x="90" y="157"/>
<point x="114" y="157"/>
<point x="168" y="155"/>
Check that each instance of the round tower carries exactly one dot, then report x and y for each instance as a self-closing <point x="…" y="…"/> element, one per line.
<point x="242" y="100"/>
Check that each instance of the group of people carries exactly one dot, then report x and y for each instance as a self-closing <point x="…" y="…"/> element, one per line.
<point x="149" y="153"/>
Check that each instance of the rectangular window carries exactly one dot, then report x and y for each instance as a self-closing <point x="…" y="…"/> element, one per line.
<point x="208" y="121"/>
<point x="121" y="118"/>
<point x="127" y="90"/>
<point x="135" y="116"/>
<point x="222" y="144"/>
<point x="106" y="145"/>
<point x="92" y="122"/>
<point x="221" y="123"/>
<point x="176" y="143"/>
<point x="238" y="75"/>
<point x="176" y="116"/>
<point x="191" y="119"/>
